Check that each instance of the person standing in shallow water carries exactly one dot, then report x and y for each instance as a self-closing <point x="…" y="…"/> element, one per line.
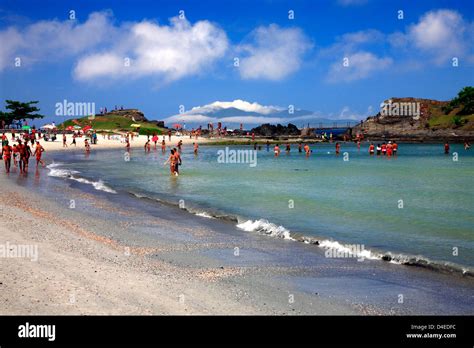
<point x="172" y="161"/>
<point x="446" y="148"/>
<point x="178" y="160"/>
<point x="276" y="150"/>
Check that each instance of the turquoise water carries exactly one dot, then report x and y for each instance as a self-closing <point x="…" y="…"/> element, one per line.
<point x="419" y="203"/>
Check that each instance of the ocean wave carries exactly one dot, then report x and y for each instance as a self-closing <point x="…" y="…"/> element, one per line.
<point x="204" y="214"/>
<point x="265" y="227"/>
<point x="347" y="249"/>
<point x="70" y="174"/>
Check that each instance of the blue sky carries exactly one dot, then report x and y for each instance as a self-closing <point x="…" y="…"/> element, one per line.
<point x="189" y="60"/>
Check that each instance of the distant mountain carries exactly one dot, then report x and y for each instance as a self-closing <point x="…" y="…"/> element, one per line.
<point x="233" y="113"/>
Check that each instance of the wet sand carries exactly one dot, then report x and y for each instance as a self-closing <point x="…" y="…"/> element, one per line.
<point x="116" y="254"/>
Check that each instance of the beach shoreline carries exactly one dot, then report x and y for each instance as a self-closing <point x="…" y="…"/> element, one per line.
<point x="114" y="255"/>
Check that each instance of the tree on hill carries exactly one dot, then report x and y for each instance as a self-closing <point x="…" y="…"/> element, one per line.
<point x="19" y="111"/>
<point x="464" y="99"/>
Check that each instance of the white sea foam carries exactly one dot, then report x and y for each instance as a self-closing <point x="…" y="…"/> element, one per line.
<point x="337" y="247"/>
<point x="69" y="174"/>
<point x="204" y="214"/>
<point x="266" y="227"/>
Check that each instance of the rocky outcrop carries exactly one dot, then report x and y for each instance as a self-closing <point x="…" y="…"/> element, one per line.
<point x="269" y="130"/>
<point x="408" y="119"/>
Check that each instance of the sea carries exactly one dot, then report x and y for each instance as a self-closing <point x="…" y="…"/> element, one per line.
<point x="413" y="208"/>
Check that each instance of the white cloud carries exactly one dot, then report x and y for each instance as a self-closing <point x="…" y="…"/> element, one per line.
<point x="53" y="40"/>
<point x="168" y="51"/>
<point x="350" y="42"/>
<point x="268" y="114"/>
<point x="439" y="35"/>
<point x="352" y="2"/>
<point x="361" y="65"/>
<point x="273" y="54"/>
<point x="237" y="104"/>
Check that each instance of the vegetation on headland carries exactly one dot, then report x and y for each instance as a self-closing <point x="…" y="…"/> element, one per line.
<point x="457" y="113"/>
<point x="112" y="122"/>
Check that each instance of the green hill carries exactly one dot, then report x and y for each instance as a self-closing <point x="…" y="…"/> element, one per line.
<point x="117" y="121"/>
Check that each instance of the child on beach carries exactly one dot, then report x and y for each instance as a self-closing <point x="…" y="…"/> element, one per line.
<point x="87" y="146"/>
<point x="384" y="149"/>
<point x="300" y="148"/>
<point x="196" y="146"/>
<point x="371" y="149"/>
<point x="288" y="148"/>
<point x="64" y="140"/>
<point x="74" y="140"/>
<point x="16" y="156"/>
<point x="338" y="148"/>
<point x="147" y="146"/>
<point x="163" y="145"/>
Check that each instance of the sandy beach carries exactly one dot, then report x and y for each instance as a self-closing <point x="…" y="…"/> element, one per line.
<point x="79" y="271"/>
<point x="115" y="142"/>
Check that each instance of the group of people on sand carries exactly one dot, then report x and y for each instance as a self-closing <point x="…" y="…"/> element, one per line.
<point x="21" y="152"/>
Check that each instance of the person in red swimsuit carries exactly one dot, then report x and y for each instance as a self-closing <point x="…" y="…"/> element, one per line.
<point x="7" y="156"/>
<point x="38" y="153"/>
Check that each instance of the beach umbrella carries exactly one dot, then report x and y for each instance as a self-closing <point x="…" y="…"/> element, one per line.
<point x="48" y="126"/>
<point x="135" y="125"/>
<point x="70" y="128"/>
<point x="77" y="127"/>
<point x="177" y="126"/>
<point x="26" y="127"/>
<point x="86" y="128"/>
